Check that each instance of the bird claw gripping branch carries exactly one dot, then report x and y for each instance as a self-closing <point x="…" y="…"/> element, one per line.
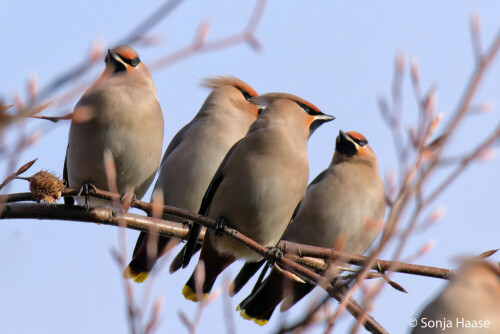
<point x="84" y="190"/>
<point x="220" y="225"/>
<point x="274" y="254"/>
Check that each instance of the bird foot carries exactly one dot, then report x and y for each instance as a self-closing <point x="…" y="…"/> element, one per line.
<point x="274" y="254"/>
<point x="84" y="191"/>
<point x="220" y="225"/>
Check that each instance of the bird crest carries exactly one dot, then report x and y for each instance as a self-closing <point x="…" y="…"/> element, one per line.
<point x="266" y="99"/>
<point x="227" y="80"/>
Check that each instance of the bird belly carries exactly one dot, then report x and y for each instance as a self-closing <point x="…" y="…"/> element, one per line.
<point x="261" y="210"/>
<point x="135" y="166"/>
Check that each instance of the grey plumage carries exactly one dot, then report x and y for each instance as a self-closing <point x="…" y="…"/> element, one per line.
<point x="193" y="156"/>
<point x="344" y="208"/>
<point x="120" y="113"/>
<point x="259" y="183"/>
<point x="473" y="295"/>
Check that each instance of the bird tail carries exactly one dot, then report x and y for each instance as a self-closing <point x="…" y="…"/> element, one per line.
<point x="143" y="259"/>
<point x="176" y="263"/>
<point x="138" y="275"/>
<point x="210" y="265"/>
<point x="260" y="306"/>
<point x="299" y="292"/>
<point x="246" y="273"/>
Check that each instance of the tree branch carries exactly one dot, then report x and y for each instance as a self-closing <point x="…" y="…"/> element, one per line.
<point x="311" y="256"/>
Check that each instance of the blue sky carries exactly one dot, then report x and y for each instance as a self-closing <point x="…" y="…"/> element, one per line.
<point x="60" y="276"/>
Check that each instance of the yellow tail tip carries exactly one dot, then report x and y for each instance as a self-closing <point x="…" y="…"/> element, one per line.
<point x="190" y="294"/>
<point x="138" y="277"/>
<point x="141" y="277"/>
<point x="260" y="322"/>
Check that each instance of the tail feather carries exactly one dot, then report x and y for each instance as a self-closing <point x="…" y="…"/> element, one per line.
<point x="137" y="276"/>
<point x="246" y="273"/>
<point x="260" y="306"/>
<point x="142" y="262"/>
<point x="299" y="292"/>
<point x="214" y="264"/>
<point x="179" y="258"/>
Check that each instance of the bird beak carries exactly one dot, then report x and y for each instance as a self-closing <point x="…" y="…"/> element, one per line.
<point x="113" y="55"/>
<point x="323" y="118"/>
<point x="318" y="120"/>
<point x="343" y="135"/>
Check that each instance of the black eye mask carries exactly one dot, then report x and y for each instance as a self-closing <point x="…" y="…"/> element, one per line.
<point x="246" y="95"/>
<point x="132" y="62"/>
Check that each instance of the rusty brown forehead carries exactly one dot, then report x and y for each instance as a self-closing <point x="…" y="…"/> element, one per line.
<point x="126" y="52"/>
<point x="356" y="135"/>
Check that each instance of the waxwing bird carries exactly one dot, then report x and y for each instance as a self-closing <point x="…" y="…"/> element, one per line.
<point x="192" y="158"/>
<point x="119" y="114"/>
<point x="344" y="208"/>
<point x="257" y="186"/>
<point x="470" y="303"/>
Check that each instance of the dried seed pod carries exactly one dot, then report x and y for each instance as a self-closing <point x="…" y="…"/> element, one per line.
<point x="46" y="187"/>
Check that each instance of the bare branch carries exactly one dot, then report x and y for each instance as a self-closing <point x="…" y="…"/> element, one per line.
<point x="21" y="170"/>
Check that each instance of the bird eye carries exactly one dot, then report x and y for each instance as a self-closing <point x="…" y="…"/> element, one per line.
<point x="134" y="62"/>
<point x="308" y="109"/>
<point x="305" y="107"/>
<point x="246" y="95"/>
<point x="360" y="142"/>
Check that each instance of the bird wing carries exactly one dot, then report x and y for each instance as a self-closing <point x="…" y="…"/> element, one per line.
<point x="174" y="143"/>
<point x="250" y="268"/>
<point x="317" y="179"/>
<point x="190" y="248"/>
<point x="67" y="200"/>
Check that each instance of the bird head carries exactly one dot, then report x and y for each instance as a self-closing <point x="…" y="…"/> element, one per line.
<point x="352" y="143"/>
<point x="312" y="115"/>
<point x="123" y="59"/>
<point x="233" y="90"/>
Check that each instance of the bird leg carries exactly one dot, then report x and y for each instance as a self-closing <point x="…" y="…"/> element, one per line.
<point x="220" y="225"/>
<point x="84" y="190"/>
<point x="128" y="199"/>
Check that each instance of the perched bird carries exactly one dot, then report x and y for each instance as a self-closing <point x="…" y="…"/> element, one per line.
<point x="343" y="208"/>
<point x="119" y="114"/>
<point x="192" y="158"/>
<point x="469" y="304"/>
<point x="257" y="186"/>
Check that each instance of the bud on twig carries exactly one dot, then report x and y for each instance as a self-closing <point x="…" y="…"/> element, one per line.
<point x="437" y="214"/>
<point x="427" y="247"/>
<point x="486" y="155"/>
<point x="483" y="108"/>
<point x="202" y="32"/>
<point x="400" y="61"/>
<point x="415" y="70"/>
<point x="475" y="24"/>
<point x="19" y="102"/>
<point x="32" y="85"/>
<point x="97" y="49"/>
